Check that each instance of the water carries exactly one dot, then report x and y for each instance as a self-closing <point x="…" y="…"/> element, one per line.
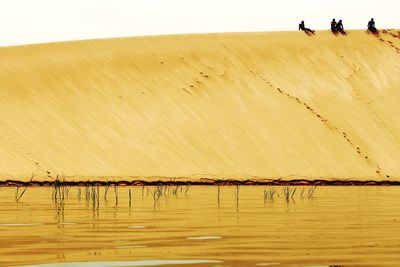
<point x="346" y="226"/>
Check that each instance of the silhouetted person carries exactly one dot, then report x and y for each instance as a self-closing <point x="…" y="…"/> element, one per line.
<point x="333" y="26"/>
<point x="371" y="26"/>
<point x="302" y="27"/>
<point x="339" y="27"/>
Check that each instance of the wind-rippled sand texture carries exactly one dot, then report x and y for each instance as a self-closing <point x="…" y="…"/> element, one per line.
<point x="271" y="105"/>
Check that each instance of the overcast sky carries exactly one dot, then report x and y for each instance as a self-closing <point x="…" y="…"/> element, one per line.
<point x="38" y="21"/>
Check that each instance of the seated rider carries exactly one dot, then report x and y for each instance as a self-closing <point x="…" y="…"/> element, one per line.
<point x="333" y="26"/>
<point x="371" y="26"/>
<point x="340" y="28"/>
<point x="303" y="28"/>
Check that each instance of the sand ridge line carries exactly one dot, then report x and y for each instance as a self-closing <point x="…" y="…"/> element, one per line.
<point x="327" y="123"/>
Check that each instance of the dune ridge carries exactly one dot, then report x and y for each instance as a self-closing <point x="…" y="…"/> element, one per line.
<point x="221" y="106"/>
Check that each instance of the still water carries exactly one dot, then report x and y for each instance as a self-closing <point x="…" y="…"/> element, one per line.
<point x="200" y="226"/>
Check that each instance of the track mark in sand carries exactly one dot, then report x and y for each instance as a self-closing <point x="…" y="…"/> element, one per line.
<point x="198" y="81"/>
<point x="391" y="44"/>
<point x="186" y="90"/>
<point x="325" y="121"/>
<point x="21" y="149"/>
<point x="204" y="75"/>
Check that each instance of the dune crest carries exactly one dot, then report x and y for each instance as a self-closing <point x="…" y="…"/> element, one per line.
<point x="268" y="105"/>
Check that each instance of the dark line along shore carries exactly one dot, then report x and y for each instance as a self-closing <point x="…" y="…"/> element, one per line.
<point x="205" y="182"/>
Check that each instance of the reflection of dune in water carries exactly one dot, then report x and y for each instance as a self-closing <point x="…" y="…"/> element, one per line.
<point x="225" y="105"/>
<point x="338" y="226"/>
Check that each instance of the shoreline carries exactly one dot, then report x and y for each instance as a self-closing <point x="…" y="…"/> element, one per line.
<point x="202" y="182"/>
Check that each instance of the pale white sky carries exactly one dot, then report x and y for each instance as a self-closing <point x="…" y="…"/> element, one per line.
<point x="38" y="21"/>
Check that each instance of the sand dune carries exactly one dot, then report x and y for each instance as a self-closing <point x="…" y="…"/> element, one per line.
<point x="271" y="105"/>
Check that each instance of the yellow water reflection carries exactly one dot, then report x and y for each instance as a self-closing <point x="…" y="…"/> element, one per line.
<point x="347" y="226"/>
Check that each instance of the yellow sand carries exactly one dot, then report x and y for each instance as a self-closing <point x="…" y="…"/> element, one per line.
<point x="271" y="105"/>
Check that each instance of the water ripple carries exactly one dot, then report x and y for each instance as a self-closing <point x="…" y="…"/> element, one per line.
<point x="122" y="263"/>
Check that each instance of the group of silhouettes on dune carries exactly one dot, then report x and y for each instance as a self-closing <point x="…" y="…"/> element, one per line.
<point x="337" y="27"/>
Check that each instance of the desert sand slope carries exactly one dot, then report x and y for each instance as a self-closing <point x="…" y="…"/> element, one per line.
<point x="272" y="105"/>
